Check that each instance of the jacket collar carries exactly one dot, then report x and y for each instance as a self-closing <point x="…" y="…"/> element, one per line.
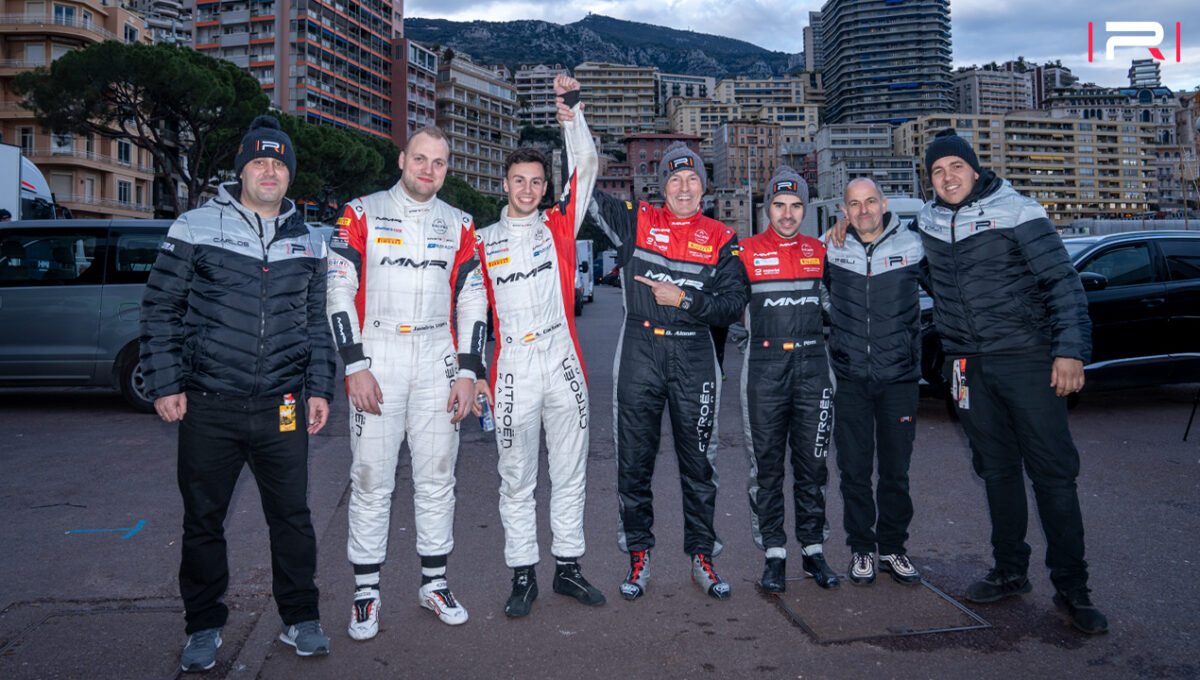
<point x="288" y="223"/>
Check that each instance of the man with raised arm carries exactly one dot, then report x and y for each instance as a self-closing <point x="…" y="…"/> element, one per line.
<point x="529" y="269"/>
<point x="407" y="306"/>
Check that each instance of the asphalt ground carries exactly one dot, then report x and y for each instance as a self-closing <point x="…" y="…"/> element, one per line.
<point x="89" y="551"/>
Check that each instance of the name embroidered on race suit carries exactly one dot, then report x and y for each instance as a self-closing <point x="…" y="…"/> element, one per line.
<point x="663" y="276"/>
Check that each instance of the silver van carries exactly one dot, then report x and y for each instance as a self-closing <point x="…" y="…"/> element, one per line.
<point x="70" y="297"/>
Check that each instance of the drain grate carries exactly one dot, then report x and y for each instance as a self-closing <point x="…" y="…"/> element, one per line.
<point x="886" y="609"/>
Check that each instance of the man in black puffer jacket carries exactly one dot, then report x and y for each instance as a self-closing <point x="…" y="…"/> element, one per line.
<point x="875" y="316"/>
<point x="234" y="339"/>
<point x="1013" y="319"/>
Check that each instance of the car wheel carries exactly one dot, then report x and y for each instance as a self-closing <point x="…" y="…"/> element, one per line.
<point x="579" y="306"/>
<point x="591" y="297"/>
<point x="133" y="384"/>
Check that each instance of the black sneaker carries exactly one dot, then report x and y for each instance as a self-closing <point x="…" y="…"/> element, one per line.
<point x="998" y="585"/>
<point x="569" y="581"/>
<point x="816" y="567"/>
<point x="774" y="578"/>
<point x="862" y="569"/>
<point x="634" y="585"/>
<point x="707" y="578"/>
<point x="1084" y="615"/>
<point x="902" y="571"/>
<point x="524" y="592"/>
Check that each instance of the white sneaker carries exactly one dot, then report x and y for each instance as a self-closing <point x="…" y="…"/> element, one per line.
<point x="364" y="620"/>
<point x="436" y="597"/>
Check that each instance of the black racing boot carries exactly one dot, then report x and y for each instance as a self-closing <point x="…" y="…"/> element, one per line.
<point x="524" y="592"/>
<point x="816" y="567"/>
<point x="774" y="578"/>
<point x="569" y="581"/>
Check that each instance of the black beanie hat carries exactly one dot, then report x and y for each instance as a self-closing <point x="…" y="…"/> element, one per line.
<point x="266" y="140"/>
<point x="948" y="143"/>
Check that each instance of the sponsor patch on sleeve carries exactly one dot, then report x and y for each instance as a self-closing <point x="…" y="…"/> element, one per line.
<point x="343" y="221"/>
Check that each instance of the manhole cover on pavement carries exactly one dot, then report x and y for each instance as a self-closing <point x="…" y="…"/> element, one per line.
<point x="99" y="643"/>
<point x="883" y="610"/>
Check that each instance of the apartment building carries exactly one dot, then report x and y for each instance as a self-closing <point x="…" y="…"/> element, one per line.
<point x="851" y="150"/>
<point x="746" y="153"/>
<point x="535" y="93"/>
<point x="166" y="20"/>
<point x="886" y="61"/>
<point x="734" y="207"/>
<point x="327" y="61"/>
<point x="478" y="112"/>
<point x="669" y="85"/>
<point x="988" y="91"/>
<point x="414" y="89"/>
<point x="1156" y="107"/>
<point x="93" y="176"/>
<point x="1073" y="167"/>
<point x="619" y="98"/>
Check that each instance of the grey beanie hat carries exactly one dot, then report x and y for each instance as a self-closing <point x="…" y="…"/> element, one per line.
<point x="786" y="181"/>
<point x="266" y="140"/>
<point x="678" y="157"/>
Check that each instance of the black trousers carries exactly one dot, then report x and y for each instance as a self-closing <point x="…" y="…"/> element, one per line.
<point x="1015" y="422"/>
<point x="679" y="370"/>
<point x="875" y="420"/>
<point x="787" y="404"/>
<point x="218" y="436"/>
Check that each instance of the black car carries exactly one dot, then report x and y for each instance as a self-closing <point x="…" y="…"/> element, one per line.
<point x="1143" y="291"/>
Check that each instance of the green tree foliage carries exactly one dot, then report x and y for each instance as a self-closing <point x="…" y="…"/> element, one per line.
<point x="334" y="165"/>
<point x="460" y="195"/>
<point x="541" y="136"/>
<point x="187" y="109"/>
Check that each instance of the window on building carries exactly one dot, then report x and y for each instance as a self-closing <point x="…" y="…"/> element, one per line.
<point x="124" y="191"/>
<point x="61" y="144"/>
<point x="25" y="139"/>
<point x="64" y="15"/>
<point x="124" y="152"/>
<point x="131" y="34"/>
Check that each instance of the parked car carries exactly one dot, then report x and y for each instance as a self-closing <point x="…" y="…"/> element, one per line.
<point x="70" y="300"/>
<point x="1143" y="291"/>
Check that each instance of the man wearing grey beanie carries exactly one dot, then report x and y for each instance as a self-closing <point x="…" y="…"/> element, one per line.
<point x="679" y="276"/>
<point x="787" y="388"/>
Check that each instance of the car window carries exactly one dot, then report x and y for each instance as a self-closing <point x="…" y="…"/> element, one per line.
<point x="1123" y="265"/>
<point x="1183" y="258"/>
<point x="42" y="258"/>
<point x="135" y="255"/>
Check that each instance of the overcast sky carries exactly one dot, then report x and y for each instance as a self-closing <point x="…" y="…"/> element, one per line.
<point x="983" y="30"/>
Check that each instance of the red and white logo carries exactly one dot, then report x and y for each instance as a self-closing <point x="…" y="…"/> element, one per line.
<point x="1148" y="34"/>
<point x="700" y="236"/>
<point x="806" y="250"/>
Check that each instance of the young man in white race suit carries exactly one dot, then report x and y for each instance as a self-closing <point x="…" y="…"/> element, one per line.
<point x="529" y="265"/>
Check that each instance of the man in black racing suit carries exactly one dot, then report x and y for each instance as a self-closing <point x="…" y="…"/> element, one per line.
<point x="680" y="275"/>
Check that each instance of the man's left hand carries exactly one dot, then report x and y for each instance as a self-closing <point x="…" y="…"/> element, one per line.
<point x="318" y="414"/>
<point x="666" y="293"/>
<point x="1066" y="376"/>
<point x="462" y="394"/>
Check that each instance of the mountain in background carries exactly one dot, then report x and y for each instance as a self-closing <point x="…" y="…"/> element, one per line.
<point x="598" y="38"/>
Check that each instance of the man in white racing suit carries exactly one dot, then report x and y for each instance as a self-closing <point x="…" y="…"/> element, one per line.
<point x="529" y="268"/>
<point x="408" y="309"/>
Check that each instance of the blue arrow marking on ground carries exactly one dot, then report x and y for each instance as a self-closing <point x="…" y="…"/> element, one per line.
<point x="141" y="523"/>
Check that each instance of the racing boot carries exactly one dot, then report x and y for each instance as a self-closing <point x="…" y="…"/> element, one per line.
<point x="634" y="585"/>
<point x="524" y="592"/>
<point x="774" y="578"/>
<point x="815" y="566"/>
<point x="707" y="578"/>
<point x="569" y="581"/>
